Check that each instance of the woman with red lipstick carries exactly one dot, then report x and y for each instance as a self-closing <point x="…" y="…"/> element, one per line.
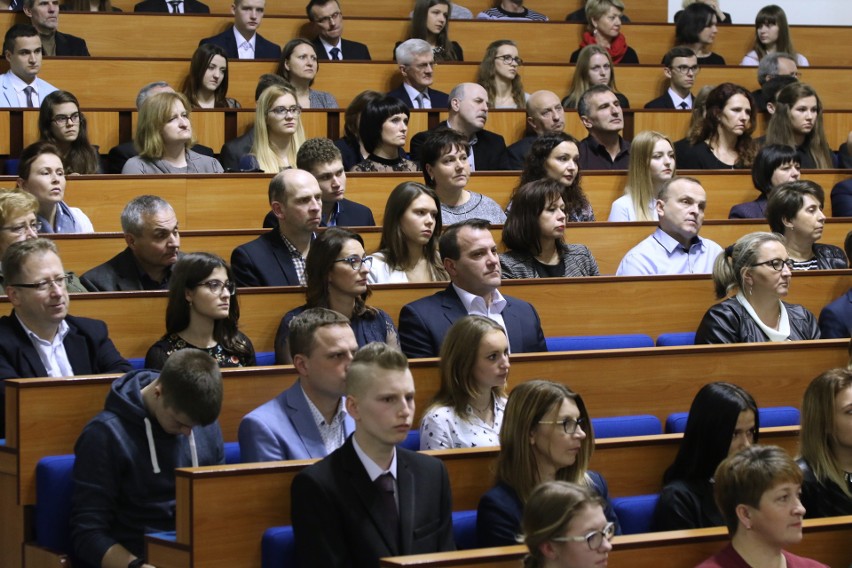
<point x="797" y="122"/>
<point x="794" y="210"/>
<point x="557" y="157"/>
<point x="468" y="409"/>
<point x="603" y="28"/>
<point x="722" y="140"/>
<point x="299" y="66"/>
<point x="758" y="268"/>
<point x="408" y="251"/>
<point x="652" y="164"/>
<point x="564" y="527"/>
<point x="546" y="436"/>
<point x="757" y="491"/>
<point x="534" y="236"/>
<point x="337" y="270"/>
<point x="202" y="313"/>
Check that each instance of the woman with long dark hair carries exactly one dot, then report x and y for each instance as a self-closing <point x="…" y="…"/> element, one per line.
<point x="772" y="35"/>
<point x="430" y="22"/>
<point x="61" y="123"/>
<point x="206" y="85"/>
<point x="557" y="157"/>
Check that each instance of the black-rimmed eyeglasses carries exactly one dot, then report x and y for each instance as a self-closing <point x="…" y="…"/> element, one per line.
<point x="507" y="59"/>
<point x="61" y="282"/>
<point x="570" y="425"/>
<point x="777" y="264"/>
<point x="356" y="261"/>
<point x="216" y="286"/>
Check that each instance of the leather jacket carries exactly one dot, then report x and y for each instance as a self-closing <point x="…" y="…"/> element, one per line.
<point x="829" y="257"/>
<point x="822" y="499"/>
<point x="729" y="322"/>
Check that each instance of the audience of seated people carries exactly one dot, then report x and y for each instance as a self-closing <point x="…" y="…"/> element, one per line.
<point x="417" y="67"/>
<point x="277" y="133"/>
<point x="430" y="21"/>
<point x="326" y="17"/>
<point x="601" y="114"/>
<point x="44" y="16"/>
<point x="383" y="133"/>
<point x="350" y="145"/>
<point x="680" y="67"/>
<point x="544" y="115"/>
<point x="696" y="29"/>
<point x="772" y="35"/>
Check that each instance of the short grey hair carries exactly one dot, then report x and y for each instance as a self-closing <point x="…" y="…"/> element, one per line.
<point x="145" y="92"/>
<point x="768" y="66"/>
<point x="407" y="50"/>
<point x="132" y="218"/>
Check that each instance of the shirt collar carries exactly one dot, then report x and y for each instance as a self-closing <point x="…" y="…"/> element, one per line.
<point x="670" y="244"/>
<point x="472" y="302"/>
<point x="373" y="470"/>
<point x="241" y="40"/>
<point x="318" y="417"/>
<point x="19" y="85"/>
<point x="328" y="47"/>
<point x="58" y="338"/>
<point x="412" y="92"/>
<point x="332" y="217"/>
<point x="677" y="99"/>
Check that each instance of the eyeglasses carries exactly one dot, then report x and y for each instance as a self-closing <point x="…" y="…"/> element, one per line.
<point x="424" y="66"/>
<point x="63" y="119"/>
<point x="356" y="261"/>
<point x="284" y="111"/>
<point x="33" y="227"/>
<point x="777" y="264"/>
<point x="216" y="286"/>
<point x="594" y="539"/>
<point x="60" y="282"/>
<point x="328" y="19"/>
<point x="507" y="59"/>
<point x="684" y="69"/>
<point x="570" y="425"/>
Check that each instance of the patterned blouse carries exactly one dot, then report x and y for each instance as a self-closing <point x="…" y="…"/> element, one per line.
<point x="168" y="344"/>
<point x="443" y="429"/>
<point x="374" y="163"/>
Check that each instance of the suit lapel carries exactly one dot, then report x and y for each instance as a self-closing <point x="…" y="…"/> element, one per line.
<point x="303" y="420"/>
<point x="407" y="491"/>
<point x="452" y="304"/>
<point x="29" y="355"/>
<point x="513" y="328"/>
<point x="75" y="350"/>
<point x="282" y="257"/>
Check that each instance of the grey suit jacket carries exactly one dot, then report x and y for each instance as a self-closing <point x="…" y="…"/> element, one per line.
<point x="118" y="274"/>
<point x="9" y="98"/>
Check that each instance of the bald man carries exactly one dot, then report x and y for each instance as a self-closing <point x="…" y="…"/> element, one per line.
<point x="468" y="115"/>
<point x="545" y="115"/>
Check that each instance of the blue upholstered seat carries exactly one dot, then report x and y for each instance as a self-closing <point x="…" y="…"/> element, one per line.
<point x="594" y="342"/>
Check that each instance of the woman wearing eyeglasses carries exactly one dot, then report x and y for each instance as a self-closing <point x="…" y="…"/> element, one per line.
<point x="278" y="132"/>
<point x="794" y="210"/>
<point x="299" y="66"/>
<point x="723" y="419"/>
<point x="203" y="313"/>
<point x="337" y="270"/>
<point x="499" y="75"/>
<point x="61" y="123"/>
<point x="758" y="268"/>
<point x="546" y="436"/>
<point x="564" y="526"/>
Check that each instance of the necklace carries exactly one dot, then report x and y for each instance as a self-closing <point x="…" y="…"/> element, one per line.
<point x="481" y="410"/>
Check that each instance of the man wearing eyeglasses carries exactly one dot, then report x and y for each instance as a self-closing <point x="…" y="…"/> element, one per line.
<point x="44" y="15"/>
<point x="39" y="338"/>
<point x="680" y="66"/>
<point x="241" y="41"/>
<point x="417" y="66"/>
<point x="308" y="419"/>
<point x="675" y="247"/>
<point x="327" y="19"/>
<point x="277" y="258"/>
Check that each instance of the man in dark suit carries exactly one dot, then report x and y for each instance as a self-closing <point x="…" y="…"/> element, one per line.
<point x="327" y="20"/>
<point x="470" y="257"/>
<point x="835" y="320"/>
<point x="153" y="246"/>
<point x="468" y="115"/>
<point x="680" y="66"/>
<point x="841" y="193"/>
<point x="417" y="65"/>
<point x="40" y="339"/>
<point x="277" y="258"/>
<point x="545" y="115"/>
<point x="172" y="6"/>
<point x="44" y="15"/>
<point x="241" y="41"/>
<point x="370" y="499"/>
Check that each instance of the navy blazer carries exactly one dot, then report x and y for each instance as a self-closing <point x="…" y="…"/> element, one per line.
<point x="87" y="345"/>
<point x="283" y="429"/>
<point x="424" y="323"/>
<point x="664" y="101"/>
<point x="351" y="214"/>
<point x="69" y="45"/>
<point x="439" y="99"/>
<point x="234" y="150"/>
<point x="351" y="51"/>
<point x="835" y="320"/>
<point x="841" y="199"/>
<point x="337" y="515"/>
<point x="189" y="7"/>
<point x="750" y="209"/>
<point x="264" y="261"/>
<point x="263" y="48"/>
<point x="487" y="152"/>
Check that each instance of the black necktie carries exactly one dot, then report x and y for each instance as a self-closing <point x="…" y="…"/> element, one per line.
<point x="335" y="54"/>
<point x="683" y="105"/>
<point x="29" y="91"/>
<point x="385" y="485"/>
<point x="174" y="4"/>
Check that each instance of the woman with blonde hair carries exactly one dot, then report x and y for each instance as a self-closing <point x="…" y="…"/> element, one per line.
<point x="652" y="164"/>
<point x="603" y="28"/>
<point x="564" y="527"/>
<point x="299" y="67"/>
<point x="797" y="121"/>
<point x="164" y="137"/>
<point x="468" y="409"/>
<point x="772" y="35"/>
<point x="278" y="132"/>
<point x="499" y="75"/>
<point x="546" y="436"/>
<point x="825" y="443"/>
<point x="594" y="67"/>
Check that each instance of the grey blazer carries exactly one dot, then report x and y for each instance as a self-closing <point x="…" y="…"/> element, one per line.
<point x="195" y="164"/>
<point x="322" y="99"/>
<point x="577" y="260"/>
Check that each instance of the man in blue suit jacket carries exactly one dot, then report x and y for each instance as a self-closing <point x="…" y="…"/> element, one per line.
<point x="278" y="257"/>
<point x="307" y="420"/>
<point x="20" y="85"/>
<point x="470" y="257"/>
<point x="241" y="41"/>
<point x="417" y="65"/>
<point x="841" y="199"/>
<point x="835" y="320"/>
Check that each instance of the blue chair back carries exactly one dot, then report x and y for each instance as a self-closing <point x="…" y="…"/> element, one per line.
<point x="595" y="342"/>
<point x="54" y="488"/>
<point x="278" y="548"/>
<point x="620" y="426"/>
<point x="232" y="453"/>
<point x="464" y="530"/>
<point x="265" y="358"/>
<point x="770" y="416"/>
<point x="635" y="513"/>
<point x="676" y="339"/>
<point x="412" y="441"/>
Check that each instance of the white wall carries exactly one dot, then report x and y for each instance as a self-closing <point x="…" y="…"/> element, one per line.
<point x="799" y="12"/>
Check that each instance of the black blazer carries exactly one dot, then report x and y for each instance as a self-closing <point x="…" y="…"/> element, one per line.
<point x="263" y="48"/>
<point x="835" y="320"/>
<point x="841" y="199"/>
<point x="119" y="155"/>
<point x="337" y="516"/>
<point x="189" y="7"/>
<point x="424" y="323"/>
<point x="264" y="261"/>
<point x="487" y="152"/>
<point x="69" y="45"/>
<point x="235" y="149"/>
<point x="516" y="154"/>
<point x="350" y="50"/>
<point x="118" y="274"/>
<point x="351" y="214"/>
<point x="438" y="98"/>
<point x="662" y="102"/>
<point x="87" y="345"/>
